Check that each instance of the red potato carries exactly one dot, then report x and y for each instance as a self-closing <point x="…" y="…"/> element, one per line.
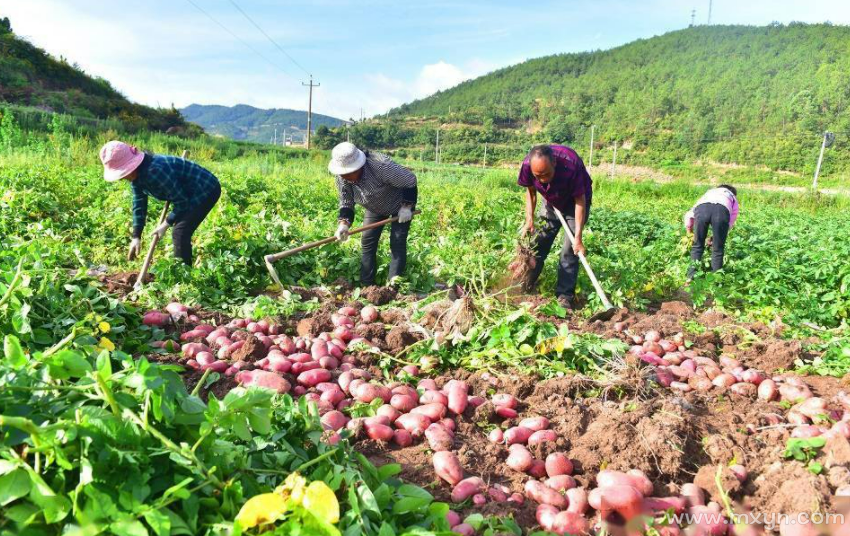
<point x="204" y="358"/>
<point x="707" y="522"/>
<point x="368" y="392"/>
<point x="434" y="411"/>
<point x="680" y="372"/>
<point x="334" y="420"/>
<point x="334" y="397"/>
<point x="369" y="314"/>
<point x="653" y="348"/>
<point x="795" y="417"/>
<point x="335" y="351"/>
<point x="192" y="349"/>
<point x="807" y="431"/>
<point x="406" y="390"/>
<point x="458" y="395"/>
<point x="728" y="362"/>
<point x="812" y="408"/>
<point x="379" y="432"/>
<point x="319" y="350"/>
<point x="389" y="412"/>
<point x="504" y="400"/>
<point x="216" y="366"/>
<point x="453" y="518"/>
<point x="191" y="363"/>
<point x="448" y="424"/>
<point x="377" y="419"/>
<point x="577" y="498"/>
<point x="753" y="376"/>
<point x="312" y="377"/>
<point x="344" y="404"/>
<point x="427" y="384"/>
<point x="402" y="403"/>
<point x="608" y="477"/>
<point x="176" y="308"/>
<point x="517" y="498"/>
<point x="679" y="386"/>
<point x="156" y="319"/>
<point x="625" y="500"/>
<point x="545" y="515"/>
<point x="298" y="368"/>
<point x="664" y="377"/>
<point x="542" y="436"/>
<point x="497" y="494"/>
<point x="557" y="463"/>
<point x="345" y="380"/>
<point x="329" y="362"/>
<point x="506" y="413"/>
<point x="231" y="371"/>
<point x="402" y="438"/>
<point x="693" y="494"/>
<point x="214" y="335"/>
<point x="496" y="435"/>
<point x="662" y="504"/>
<point x="739" y="471"/>
<point x="744" y="389"/>
<point x="517" y="434"/>
<point x="476" y="401"/>
<point x="287" y="345"/>
<point x="263" y="379"/>
<point x="447" y="466"/>
<point x="439" y="438"/>
<point x="652" y="336"/>
<point x="725" y="380"/>
<point x="767" y="390"/>
<point x="464" y="529"/>
<point x="520" y="459"/>
<point x="700" y="384"/>
<point x="640" y="481"/>
<point x="569" y="523"/>
<point x="299" y="390"/>
<point x="413" y="370"/>
<point x="429" y="397"/>
<point x="479" y="499"/>
<point x="238" y="323"/>
<point x="466" y="488"/>
<point x="414" y="423"/>
<point x="561" y="483"/>
<point x="254" y="328"/>
<point x="301" y="357"/>
<point x="841" y="428"/>
<point x="535" y="424"/>
<point x="279" y="364"/>
<point x="543" y="494"/>
<point x="652" y="359"/>
<point x="668" y="346"/>
<point x="347" y="311"/>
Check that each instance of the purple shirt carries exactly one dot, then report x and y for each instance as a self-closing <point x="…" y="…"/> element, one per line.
<point x="570" y="181"/>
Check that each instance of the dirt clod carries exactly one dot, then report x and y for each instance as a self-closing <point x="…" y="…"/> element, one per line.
<point x="379" y="295"/>
<point x="253" y="350"/>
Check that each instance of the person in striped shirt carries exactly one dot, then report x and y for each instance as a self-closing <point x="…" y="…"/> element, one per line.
<point x="192" y="190"/>
<point x="385" y="189"/>
<point x="717" y="208"/>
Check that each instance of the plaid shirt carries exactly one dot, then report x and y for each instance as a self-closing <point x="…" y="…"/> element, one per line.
<point x="383" y="188"/>
<point x="169" y="178"/>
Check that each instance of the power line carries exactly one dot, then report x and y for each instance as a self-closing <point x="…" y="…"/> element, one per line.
<point x="272" y="41"/>
<point x="226" y="29"/>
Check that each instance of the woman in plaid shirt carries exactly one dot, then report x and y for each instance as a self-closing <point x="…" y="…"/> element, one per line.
<point x="192" y="190"/>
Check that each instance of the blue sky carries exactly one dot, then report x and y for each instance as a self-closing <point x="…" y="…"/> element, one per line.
<point x="370" y="54"/>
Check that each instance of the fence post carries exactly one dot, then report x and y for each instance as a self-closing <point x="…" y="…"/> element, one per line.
<point x="614" y="161"/>
<point x="592" y="129"/>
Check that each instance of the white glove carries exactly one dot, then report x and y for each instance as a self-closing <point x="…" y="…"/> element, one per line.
<point x="405" y="214"/>
<point x="159" y="232"/>
<point x="135" y="248"/>
<point x="341" y="233"/>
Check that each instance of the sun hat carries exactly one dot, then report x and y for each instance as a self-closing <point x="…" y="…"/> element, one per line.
<point x="346" y="158"/>
<point x="119" y="160"/>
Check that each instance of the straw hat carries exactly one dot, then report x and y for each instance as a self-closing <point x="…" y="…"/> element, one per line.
<point x="346" y="158"/>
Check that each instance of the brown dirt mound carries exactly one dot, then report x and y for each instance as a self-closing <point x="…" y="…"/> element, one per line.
<point x="771" y="356"/>
<point x="121" y="283"/>
<point x="376" y="333"/>
<point x="522" y="266"/>
<point x="379" y="295"/>
<point x="788" y="488"/>
<point x="319" y="322"/>
<point x="393" y="316"/>
<point x="253" y="350"/>
<point x="400" y="338"/>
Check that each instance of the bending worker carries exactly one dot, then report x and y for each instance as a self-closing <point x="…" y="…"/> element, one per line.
<point x="192" y="190"/>
<point x="385" y="189"/>
<point x="557" y="173"/>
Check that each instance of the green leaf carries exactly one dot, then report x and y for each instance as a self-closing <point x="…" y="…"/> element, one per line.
<point x="68" y="364"/>
<point x="159" y="522"/>
<point x="22" y="514"/>
<point x="128" y="527"/>
<point x="388" y="471"/>
<point x="386" y="530"/>
<point x="13" y="486"/>
<point x="475" y="520"/>
<point x="13" y="352"/>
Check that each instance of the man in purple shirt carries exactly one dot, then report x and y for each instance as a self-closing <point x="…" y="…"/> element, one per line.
<point x="559" y="175"/>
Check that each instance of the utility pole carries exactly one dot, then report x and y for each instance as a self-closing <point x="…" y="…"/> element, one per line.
<point x="693" y="17"/>
<point x="710" y="2"/>
<point x="614" y="161"/>
<point x="828" y="138"/>
<point x="275" y="136"/>
<point x="283" y="141"/>
<point x="437" y="149"/>
<point x="485" y="155"/>
<point x="592" y="131"/>
<point x="311" y="85"/>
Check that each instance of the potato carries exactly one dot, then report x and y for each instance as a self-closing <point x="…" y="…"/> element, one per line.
<point x="367" y="392"/>
<point x="517" y="434"/>
<point x="625" y="500"/>
<point x="569" y="523"/>
<point x="431" y="396"/>
<point x="262" y="379"/>
<point x="334" y="397"/>
<point x="347" y="311"/>
<point x="744" y="389"/>
<point x="803" y="431"/>
<point x="608" y="477"/>
<point x="506" y="413"/>
<point x="479" y="499"/>
<point x="453" y="518"/>
<point x="519" y="459"/>
<point x="705" y="521"/>
<point x="812" y="408"/>
<point x="156" y="319"/>
<point x="693" y="494"/>
<point x="476" y="401"/>
<point x="504" y="400"/>
<point x="369" y="314"/>
<point x="664" y="377"/>
<point x="724" y="380"/>
<point x="213" y="336"/>
<point x="414" y="423"/>
<point x="434" y="411"/>
<point x="313" y="377"/>
<point x="700" y="384"/>
<point x="176" y="308"/>
<point x="406" y="390"/>
<point x="543" y="494"/>
<point x="535" y="423"/>
<point x="447" y="466"/>
<point x="496" y="435"/>
<point x="652" y="336"/>
<point x="517" y="498"/>
<point x="204" y="358"/>
<point x="458" y="395"/>
<point x="448" y="424"/>
<point x="192" y="349"/>
<point x="545" y="515"/>
<point x="577" y="498"/>
<point x="334" y="420"/>
<point x="739" y="471"/>
<point x="278" y="364"/>
<point x="767" y="390"/>
<point x="542" y="436"/>
<point x="753" y="376"/>
<point x="653" y="348"/>
<point x="662" y="504"/>
<point x="191" y="363"/>
<point x="466" y="488"/>
<point x="377" y="431"/>
<point x="439" y="438"/>
<point x="427" y="384"/>
<point x="412" y="370"/>
<point x="561" y="483"/>
<point x="402" y="403"/>
<point x="402" y="438"/>
<point x="668" y="346"/>
<point x="728" y="362"/>
<point x="497" y="495"/>
<point x="679" y="386"/>
<point x="389" y="412"/>
<point x="640" y="481"/>
<point x="464" y="529"/>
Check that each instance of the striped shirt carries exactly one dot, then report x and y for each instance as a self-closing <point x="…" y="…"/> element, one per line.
<point x="383" y="188"/>
<point x="169" y="178"/>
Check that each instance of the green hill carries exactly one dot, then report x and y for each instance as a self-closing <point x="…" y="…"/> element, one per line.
<point x="243" y="122"/>
<point x="31" y="77"/>
<point x="737" y="94"/>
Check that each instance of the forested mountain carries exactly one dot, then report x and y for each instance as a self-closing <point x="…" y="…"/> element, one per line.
<point x="757" y="95"/>
<point x="29" y="76"/>
<point x="243" y="122"/>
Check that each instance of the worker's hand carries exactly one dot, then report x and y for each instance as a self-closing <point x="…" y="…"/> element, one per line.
<point x="405" y="214"/>
<point x="690" y="229"/>
<point x="159" y="232"/>
<point x="528" y="228"/>
<point x="341" y="233"/>
<point x="135" y="248"/>
<point x="578" y="247"/>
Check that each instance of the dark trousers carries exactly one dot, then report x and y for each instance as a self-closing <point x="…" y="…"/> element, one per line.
<point x="705" y="216"/>
<point x="184" y="228"/>
<point x="543" y="239"/>
<point x="369" y="242"/>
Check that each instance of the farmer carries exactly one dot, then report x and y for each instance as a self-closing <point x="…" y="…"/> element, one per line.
<point x="718" y="209"/>
<point x="559" y="175"/>
<point x="192" y="190"/>
<point x="385" y="189"/>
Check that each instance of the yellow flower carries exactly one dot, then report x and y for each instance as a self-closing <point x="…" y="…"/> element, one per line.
<point x="261" y="510"/>
<point x="320" y="500"/>
<point x="104" y="327"/>
<point x="106" y="344"/>
<point x="292" y="488"/>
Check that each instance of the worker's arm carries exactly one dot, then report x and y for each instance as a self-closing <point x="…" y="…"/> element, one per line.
<point x="530" y="206"/>
<point x="580" y="212"/>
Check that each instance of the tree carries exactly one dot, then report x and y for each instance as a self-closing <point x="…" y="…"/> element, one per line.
<point x="5" y="25"/>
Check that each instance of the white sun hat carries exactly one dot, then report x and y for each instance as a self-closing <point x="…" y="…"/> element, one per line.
<point x="346" y="158"/>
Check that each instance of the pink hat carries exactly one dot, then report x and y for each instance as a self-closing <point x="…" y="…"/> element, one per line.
<point x="119" y="160"/>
